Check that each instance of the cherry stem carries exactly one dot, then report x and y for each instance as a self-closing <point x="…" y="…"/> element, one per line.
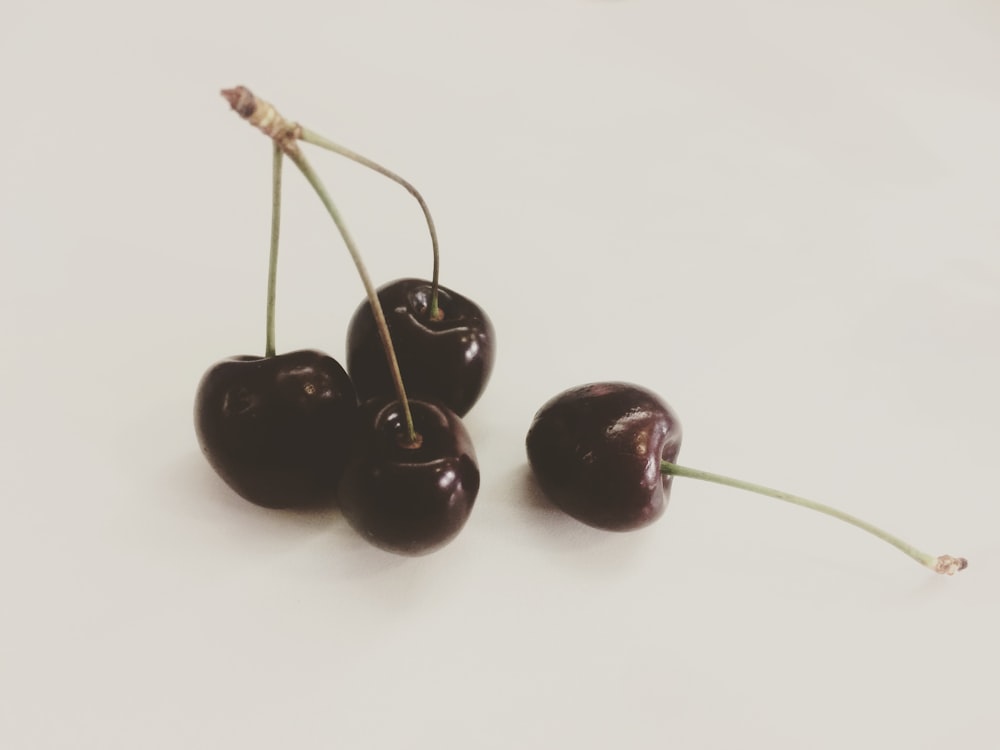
<point x="285" y="134"/>
<point x="944" y="564"/>
<point x="412" y="438"/>
<point x="304" y="134"/>
<point x="272" y="265"/>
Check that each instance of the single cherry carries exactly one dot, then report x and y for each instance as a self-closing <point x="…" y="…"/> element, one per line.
<point x="277" y="429"/>
<point x="447" y="359"/>
<point x="412" y="476"/>
<point x="445" y="343"/>
<point x="605" y="454"/>
<point x="403" y="498"/>
<point x="596" y="452"/>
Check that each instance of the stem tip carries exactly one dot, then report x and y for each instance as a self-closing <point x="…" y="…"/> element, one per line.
<point x="241" y="99"/>
<point x="263" y="116"/>
<point x="948" y="565"/>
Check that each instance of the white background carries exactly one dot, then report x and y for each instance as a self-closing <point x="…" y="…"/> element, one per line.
<point x="780" y="216"/>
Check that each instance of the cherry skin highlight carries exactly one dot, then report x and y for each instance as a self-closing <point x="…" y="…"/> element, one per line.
<point x="277" y="429"/>
<point x="596" y="451"/>
<point x="404" y="499"/>
<point x="448" y="361"/>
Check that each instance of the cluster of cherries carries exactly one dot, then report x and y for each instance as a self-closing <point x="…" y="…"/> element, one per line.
<point x="296" y="430"/>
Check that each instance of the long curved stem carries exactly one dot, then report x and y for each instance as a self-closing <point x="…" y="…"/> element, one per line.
<point x="316" y="139"/>
<point x="413" y="439"/>
<point x="942" y="564"/>
<point x="272" y="264"/>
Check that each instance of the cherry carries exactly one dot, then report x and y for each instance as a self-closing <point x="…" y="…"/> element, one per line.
<point x="445" y="342"/>
<point x="277" y="429"/>
<point x="446" y="359"/>
<point x="605" y="454"/>
<point x="405" y="490"/>
<point x="596" y="452"/>
<point x="409" y="499"/>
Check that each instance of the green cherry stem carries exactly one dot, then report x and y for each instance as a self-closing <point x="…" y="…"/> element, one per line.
<point x="943" y="564"/>
<point x="272" y="264"/>
<point x="412" y="438"/>
<point x="308" y="136"/>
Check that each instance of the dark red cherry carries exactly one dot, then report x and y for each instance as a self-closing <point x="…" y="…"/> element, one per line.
<point x="277" y="429"/>
<point x="447" y="361"/>
<point x="596" y="453"/>
<point x="409" y="500"/>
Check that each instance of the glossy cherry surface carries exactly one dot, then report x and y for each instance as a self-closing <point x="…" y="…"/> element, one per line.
<point x="447" y="361"/>
<point x="404" y="499"/>
<point x="277" y="429"/>
<point x="596" y="452"/>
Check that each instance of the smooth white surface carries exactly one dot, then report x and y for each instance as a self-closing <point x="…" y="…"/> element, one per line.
<point x="780" y="216"/>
